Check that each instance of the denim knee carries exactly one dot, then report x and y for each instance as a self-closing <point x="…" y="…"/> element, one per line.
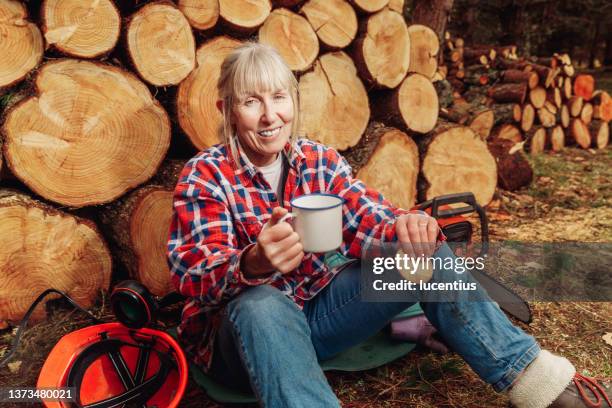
<point x="265" y="312"/>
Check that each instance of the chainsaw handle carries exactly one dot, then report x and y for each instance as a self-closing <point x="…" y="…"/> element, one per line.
<point x="466" y="198"/>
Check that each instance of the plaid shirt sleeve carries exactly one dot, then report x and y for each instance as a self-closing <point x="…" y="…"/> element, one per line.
<point x="368" y="219"/>
<point x="203" y="254"/>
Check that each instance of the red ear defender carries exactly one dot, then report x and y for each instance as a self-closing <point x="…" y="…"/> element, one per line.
<point x="133" y="304"/>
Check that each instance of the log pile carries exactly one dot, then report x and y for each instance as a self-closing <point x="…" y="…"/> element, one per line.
<point x="538" y="101"/>
<point x="99" y="130"/>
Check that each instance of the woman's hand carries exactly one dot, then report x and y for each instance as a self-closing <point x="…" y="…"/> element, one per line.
<point x="417" y="234"/>
<point x="278" y="248"/>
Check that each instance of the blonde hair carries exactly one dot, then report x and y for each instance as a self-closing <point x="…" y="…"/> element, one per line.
<point x="248" y="68"/>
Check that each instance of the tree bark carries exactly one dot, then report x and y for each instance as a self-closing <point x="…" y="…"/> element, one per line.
<point x="506" y="93"/>
<point x="507" y="113"/>
<point x="513" y="169"/>
<point x="517" y="76"/>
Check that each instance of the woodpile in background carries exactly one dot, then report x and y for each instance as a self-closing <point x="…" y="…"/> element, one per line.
<point x="103" y="102"/>
<point x="540" y="102"/>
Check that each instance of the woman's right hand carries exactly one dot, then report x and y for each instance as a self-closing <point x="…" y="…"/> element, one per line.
<point x="278" y="248"/>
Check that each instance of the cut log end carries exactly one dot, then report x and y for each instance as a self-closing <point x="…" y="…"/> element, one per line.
<point x="334" y="107"/>
<point x="202" y="15"/>
<point x="397" y="5"/>
<point x="586" y="115"/>
<point x="507" y="131"/>
<point x="397" y="183"/>
<point x="575" y="105"/>
<point x="565" y="116"/>
<point x="537" y="97"/>
<point x="21" y="46"/>
<point x="546" y="118"/>
<point x="197" y="94"/>
<point x="459" y="148"/>
<point x="161" y="44"/>
<point x="85" y="29"/>
<point x="149" y="226"/>
<point x="244" y="16"/>
<point x="334" y="21"/>
<point x="600" y="133"/>
<point x="418" y="103"/>
<point x="535" y="140"/>
<point x="482" y="123"/>
<point x="424" y="49"/>
<point x="47" y="248"/>
<point x="369" y="6"/>
<point x="378" y="63"/>
<point x="292" y="36"/>
<point x="580" y="134"/>
<point x="556" y="138"/>
<point x="76" y="154"/>
<point x="527" y="117"/>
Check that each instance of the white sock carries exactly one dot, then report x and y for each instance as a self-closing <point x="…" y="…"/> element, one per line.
<point x="542" y="381"/>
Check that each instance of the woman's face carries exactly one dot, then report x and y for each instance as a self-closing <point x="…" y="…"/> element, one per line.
<point x="263" y="124"/>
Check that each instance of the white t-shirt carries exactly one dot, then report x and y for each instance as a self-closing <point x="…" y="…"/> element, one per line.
<point x="272" y="172"/>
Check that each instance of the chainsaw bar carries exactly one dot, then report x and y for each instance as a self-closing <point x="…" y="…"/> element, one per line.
<point x="507" y="300"/>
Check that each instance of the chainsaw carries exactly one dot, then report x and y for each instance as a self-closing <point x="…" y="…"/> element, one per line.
<point x="459" y="230"/>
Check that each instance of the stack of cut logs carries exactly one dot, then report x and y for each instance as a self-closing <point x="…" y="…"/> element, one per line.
<point x="540" y="102"/>
<point x="99" y="101"/>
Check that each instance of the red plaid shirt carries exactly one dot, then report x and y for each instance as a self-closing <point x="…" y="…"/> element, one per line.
<point x="219" y="211"/>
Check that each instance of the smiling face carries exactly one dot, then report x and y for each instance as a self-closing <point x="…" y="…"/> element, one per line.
<point x="263" y="122"/>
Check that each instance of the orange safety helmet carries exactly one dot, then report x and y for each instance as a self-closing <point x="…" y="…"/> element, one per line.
<point x="110" y="364"/>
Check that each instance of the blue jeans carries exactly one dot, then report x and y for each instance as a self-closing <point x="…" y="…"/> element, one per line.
<point x="268" y="345"/>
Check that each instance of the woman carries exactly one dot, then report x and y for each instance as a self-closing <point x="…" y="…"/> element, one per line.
<point x="261" y="312"/>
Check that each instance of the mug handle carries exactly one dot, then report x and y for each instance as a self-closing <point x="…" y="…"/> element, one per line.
<point x="287" y="217"/>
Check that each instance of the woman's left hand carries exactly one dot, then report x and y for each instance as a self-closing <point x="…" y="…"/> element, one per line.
<point x="417" y="234"/>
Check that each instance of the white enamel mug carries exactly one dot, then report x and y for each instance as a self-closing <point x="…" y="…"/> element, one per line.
<point x="318" y="221"/>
